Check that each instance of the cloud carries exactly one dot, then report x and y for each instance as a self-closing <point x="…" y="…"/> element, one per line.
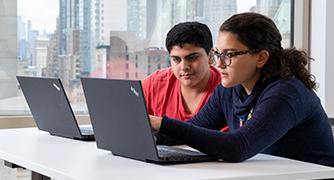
<point x="42" y="13"/>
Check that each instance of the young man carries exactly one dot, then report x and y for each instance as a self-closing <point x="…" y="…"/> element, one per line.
<point x="181" y="90"/>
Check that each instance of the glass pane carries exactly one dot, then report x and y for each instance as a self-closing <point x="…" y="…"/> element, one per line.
<point x="121" y="39"/>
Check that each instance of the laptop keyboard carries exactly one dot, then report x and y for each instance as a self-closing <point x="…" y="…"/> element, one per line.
<point x="174" y="152"/>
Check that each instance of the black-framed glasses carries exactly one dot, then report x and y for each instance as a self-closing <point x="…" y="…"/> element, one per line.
<point x="225" y="57"/>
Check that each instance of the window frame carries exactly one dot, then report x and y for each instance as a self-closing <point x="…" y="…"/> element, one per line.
<point x="300" y="39"/>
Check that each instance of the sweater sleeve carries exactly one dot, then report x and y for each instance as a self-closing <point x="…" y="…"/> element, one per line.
<point x="272" y="118"/>
<point x="211" y="112"/>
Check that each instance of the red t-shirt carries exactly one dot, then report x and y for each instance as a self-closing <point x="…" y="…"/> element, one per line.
<point x="162" y="91"/>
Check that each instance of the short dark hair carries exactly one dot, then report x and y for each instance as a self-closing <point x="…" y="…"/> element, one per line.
<point x="257" y="31"/>
<point x="194" y="33"/>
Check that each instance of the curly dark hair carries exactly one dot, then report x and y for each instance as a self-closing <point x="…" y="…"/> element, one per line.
<point x="257" y="31"/>
<point x="194" y="33"/>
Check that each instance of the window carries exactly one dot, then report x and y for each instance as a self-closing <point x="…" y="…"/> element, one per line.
<point x="127" y="42"/>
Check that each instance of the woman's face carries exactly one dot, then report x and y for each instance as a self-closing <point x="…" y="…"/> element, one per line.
<point x="243" y="68"/>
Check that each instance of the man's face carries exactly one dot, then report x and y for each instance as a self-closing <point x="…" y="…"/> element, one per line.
<point x="190" y="64"/>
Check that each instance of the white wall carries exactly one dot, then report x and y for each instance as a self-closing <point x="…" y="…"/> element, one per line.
<point x="8" y="48"/>
<point x="322" y="50"/>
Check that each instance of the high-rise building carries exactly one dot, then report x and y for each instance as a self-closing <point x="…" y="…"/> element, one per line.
<point x="40" y="53"/>
<point x="268" y="7"/>
<point x="21" y="28"/>
<point x="62" y="26"/>
<point x="158" y="21"/>
<point x="109" y="16"/>
<point x="87" y="45"/>
<point x="216" y="12"/>
<point x="135" y="16"/>
<point x="68" y="21"/>
<point x="74" y="40"/>
<point x="52" y="68"/>
<point x="22" y="38"/>
<point x="31" y="36"/>
<point x="211" y="12"/>
<point x="148" y="61"/>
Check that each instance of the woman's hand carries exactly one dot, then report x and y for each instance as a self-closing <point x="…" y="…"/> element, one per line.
<point x="155" y="122"/>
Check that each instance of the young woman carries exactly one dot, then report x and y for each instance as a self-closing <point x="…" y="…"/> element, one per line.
<point x="266" y="98"/>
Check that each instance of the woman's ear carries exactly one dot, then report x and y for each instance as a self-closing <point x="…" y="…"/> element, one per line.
<point x="263" y="58"/>
<point x="211" y="60"/>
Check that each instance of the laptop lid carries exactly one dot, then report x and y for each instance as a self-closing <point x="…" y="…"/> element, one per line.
<point x="121" y="124"/>
<point x="118" y="114"/>
<point x="50" y="107"/>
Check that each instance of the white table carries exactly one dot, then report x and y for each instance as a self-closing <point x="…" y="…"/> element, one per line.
<point x="66" y="159"/>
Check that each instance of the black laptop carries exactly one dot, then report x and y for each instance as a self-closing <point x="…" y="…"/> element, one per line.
<point x="51" y="109"/>
<point x="121" y="124"/>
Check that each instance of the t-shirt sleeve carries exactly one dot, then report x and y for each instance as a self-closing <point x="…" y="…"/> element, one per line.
<point x="147" y="85"/>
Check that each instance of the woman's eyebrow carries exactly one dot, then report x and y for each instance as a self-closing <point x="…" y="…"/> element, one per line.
<point x="225" y="50"/>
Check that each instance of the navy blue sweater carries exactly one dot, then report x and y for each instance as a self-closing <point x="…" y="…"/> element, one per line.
<point x="287" y="120"/>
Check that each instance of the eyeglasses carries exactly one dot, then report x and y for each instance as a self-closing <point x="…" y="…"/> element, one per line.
<point x="225" y="57"/>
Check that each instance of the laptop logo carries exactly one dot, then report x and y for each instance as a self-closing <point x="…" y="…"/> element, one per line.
<point x="55" y="85"/>
<point x="134" y="91"/>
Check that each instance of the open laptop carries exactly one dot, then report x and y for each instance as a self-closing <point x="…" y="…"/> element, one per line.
<point x="51" y="109"/>
<point x="121" y="124"/>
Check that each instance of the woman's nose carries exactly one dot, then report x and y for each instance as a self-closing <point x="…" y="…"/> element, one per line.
<point x="220" y="65"/>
